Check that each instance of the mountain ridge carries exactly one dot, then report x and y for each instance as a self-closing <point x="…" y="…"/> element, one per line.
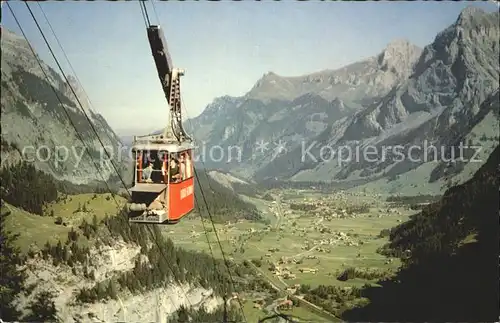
<point x="33" y="119"/>
<point x="400" y="54"/>
<point x="444" y="85"/>
<point x="281" y="116"/>
<point x="393" y="109"/>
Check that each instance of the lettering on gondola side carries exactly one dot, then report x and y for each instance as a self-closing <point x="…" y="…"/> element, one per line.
<point x="186" y="191"/>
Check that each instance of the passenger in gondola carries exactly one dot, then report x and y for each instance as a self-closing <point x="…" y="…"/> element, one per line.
<point x="189" y="166"/>
<point x="164" y="169"/>
<point x="146" y="173"/>
<point x="175" y="175"/>
<point x="157" y="164"/>
<point x="182" y="166"/>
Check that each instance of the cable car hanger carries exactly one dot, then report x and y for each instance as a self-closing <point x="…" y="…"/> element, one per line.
<point x="163" y="190"/>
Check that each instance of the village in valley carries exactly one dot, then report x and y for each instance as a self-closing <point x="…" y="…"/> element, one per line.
<point x="307" y="239"/>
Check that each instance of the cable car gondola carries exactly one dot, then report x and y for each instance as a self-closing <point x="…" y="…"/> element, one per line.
<point x="163" y="190"/>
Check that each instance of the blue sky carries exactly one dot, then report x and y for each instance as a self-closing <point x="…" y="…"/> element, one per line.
<point x="225" y="47"/>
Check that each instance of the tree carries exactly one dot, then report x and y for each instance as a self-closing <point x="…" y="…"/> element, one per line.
<point x="95" y="223"/>
<point x="305" y="288"/>
<point x="26" y="187"/>
<point x="42" y="308"/>
<point x="182" y="314"/>
<point x="257" y="262"/>
<point x="112" y="290"/>
<point x="101" y="290"/>
<point x="11" y="280"/>
<point x="72" y="236"/>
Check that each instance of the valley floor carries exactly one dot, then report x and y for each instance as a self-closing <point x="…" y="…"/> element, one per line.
<point x="339" y="231"/>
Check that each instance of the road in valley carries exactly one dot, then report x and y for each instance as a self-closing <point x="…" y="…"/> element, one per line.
<point x="279" y="213"/>
<point x="316" y="309"/>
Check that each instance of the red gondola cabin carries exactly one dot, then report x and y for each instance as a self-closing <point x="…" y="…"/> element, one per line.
<point x="163" y="190"/>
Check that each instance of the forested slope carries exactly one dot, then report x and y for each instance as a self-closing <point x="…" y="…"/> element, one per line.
<point x="223" y="203"/>
<point x="450" y="256"/>
<point x="160" y="263"/>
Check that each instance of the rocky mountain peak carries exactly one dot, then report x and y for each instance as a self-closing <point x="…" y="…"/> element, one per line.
<point x="8" y="34"/>
<point x="399" y="57"/>
<point x="266" y="79"/>
<point x="220" y="104"/>
<point x="399" y="45"/>
<point x="270" y="74"/>
<point x="271" y="86"/>
<point x="476" y="25"/>
<point x="472" y="42"/>
<point x="470" y="14"/>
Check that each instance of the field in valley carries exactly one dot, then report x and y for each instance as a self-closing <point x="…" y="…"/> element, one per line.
<point x="325" y="245"/>
<point x="341" y="230"/>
